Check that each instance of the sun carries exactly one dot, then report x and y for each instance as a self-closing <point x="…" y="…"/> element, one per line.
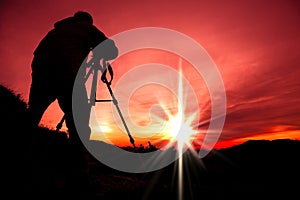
<point x="179" y="127"/>
<point x="180" y="131"/>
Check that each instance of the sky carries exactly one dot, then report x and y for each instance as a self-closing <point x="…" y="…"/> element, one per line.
<point x="254" y="44"/>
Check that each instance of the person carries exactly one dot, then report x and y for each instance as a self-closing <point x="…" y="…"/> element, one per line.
<point x="55" y="70"/>
<point x="55" y="66"/>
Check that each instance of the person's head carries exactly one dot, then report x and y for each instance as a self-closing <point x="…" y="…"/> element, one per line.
<point x="85" y="16"/>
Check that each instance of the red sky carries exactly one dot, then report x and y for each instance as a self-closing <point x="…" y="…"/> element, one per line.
<point x="255" y="45"/>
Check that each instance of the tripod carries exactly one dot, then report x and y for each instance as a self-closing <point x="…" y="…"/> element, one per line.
<point x="94" y="68"/>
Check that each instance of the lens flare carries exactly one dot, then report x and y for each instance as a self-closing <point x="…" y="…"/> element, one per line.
<point x="179" y="127"/>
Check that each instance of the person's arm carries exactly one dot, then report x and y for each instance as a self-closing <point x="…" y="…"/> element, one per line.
<point x="106" y="50"/>
<point x="103" y="48"/>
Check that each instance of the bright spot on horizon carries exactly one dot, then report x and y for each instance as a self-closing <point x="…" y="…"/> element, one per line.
<point x="99" y="132"/>
<point x="105" y="128"/>
<point x="179" y="128"/>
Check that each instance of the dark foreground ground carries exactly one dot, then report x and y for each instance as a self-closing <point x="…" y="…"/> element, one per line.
<point x="255" y="169"/>
<point x="43" y="165"/>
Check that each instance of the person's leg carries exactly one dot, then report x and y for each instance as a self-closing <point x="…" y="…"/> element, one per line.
<point x="81" y="112"/>
<point x="78" y="155"/>
<point x="40" y="97"/>
<point x="77" y="112"/>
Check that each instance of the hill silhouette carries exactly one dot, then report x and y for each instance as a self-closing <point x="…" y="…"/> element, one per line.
<point x="15" y="141"/>
<point x="40" y="165"/>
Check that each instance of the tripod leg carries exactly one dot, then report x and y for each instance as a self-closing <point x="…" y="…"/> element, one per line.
<point x="120" y="114"/>
<point x="59" y="125"/>
<point x="94" y="88"/>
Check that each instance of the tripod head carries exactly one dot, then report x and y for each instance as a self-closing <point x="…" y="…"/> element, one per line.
<point x="95" y="66"/>
<point x="103" y="66"/>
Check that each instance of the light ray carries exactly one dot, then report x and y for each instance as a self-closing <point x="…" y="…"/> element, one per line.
<point x="180" y="128"/>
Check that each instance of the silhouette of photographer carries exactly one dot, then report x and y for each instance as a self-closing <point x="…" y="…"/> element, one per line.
<point x="56" y="67"/>
<point x="56" y="63"/>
